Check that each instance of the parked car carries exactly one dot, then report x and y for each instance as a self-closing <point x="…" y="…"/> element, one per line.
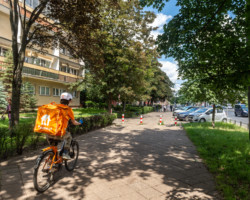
<point x="183" y="115"/>
<point x="182" y="110"/>
<point x="220" y="116"/>
<point x="241" y="110"/>
<point x="193" y="117"/>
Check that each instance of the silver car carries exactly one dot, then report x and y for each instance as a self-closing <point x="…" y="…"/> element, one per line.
<point x="193" y="117"/>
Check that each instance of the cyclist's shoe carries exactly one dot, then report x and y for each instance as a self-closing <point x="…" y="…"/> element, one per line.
<point x="66" y="155"/>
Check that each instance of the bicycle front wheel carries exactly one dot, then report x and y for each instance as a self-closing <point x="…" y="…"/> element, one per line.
<point x="74" y="153"/>
<point x="43" y="175"/>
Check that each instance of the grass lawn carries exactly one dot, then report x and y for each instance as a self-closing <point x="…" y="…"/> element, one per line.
<point x="226" y="152"/>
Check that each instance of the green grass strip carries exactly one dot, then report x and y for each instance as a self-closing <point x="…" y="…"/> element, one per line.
<point x="226" y="152"/>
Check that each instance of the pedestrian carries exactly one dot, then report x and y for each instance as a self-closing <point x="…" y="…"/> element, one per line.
<point x="8" y="110"/>
<point x="164" y="108"/>
<point x="171" y="108"/>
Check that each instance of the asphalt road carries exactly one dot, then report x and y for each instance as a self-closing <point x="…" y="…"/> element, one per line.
<point x="230" y="114"/>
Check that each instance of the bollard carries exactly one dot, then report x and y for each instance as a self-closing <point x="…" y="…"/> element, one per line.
<point x="160" y="119"/>
<point x="240" y="124"/>
<point x="123" y="118"/>
<point x="175" y="123"/>
<point x="234" y="121"/>
<point x="230" y="121"/>
<point x="141" y="121"/>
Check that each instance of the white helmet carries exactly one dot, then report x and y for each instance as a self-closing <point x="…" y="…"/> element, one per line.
<point x="66" y="96"/>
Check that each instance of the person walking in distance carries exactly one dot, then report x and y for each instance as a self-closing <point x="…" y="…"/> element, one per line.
<point x="171" y="108"/>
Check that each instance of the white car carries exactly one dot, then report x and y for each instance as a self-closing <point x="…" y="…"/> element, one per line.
<point x="220" y="116"/>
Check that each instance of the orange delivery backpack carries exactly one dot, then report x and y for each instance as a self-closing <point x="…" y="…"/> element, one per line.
<point x="52" y="119"/>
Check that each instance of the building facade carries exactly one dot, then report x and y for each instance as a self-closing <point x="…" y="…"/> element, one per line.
<point x="50" y="72"/>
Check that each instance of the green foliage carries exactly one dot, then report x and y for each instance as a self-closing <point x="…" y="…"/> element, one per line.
<point x="28" y="99"/>
<point x="90" y="104"/>
<point x="20" y="134"/>
<point x="160" y="86"/>
<point x="132" y="111"/>
<point x="3" y="102"/>
<point x="4" y="142"/>
<point x="6" y="77"/>
<point x="24" y="137"/>
<point x="127" y="60"/>
<point x="226" y="152"/>
<point x="210" y="45"/>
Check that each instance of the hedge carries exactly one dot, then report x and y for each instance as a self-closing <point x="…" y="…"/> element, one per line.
<point x="12" y="143"/>
<point x="135" y="111"/>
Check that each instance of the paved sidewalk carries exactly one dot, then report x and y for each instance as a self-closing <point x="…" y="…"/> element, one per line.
<point x="121" y="162"/>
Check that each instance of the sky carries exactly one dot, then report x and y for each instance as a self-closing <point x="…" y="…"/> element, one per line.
<point x="169" y="65"/>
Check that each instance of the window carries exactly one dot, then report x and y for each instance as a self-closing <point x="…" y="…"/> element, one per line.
<point x="63" y="51"/>
<point x="64" y="67"/>
<point x="3" y="51"/>
<point x="219" y="111"/>
<point x="37" y="61"/>
<point x="44" y="91"/>
<point x="57" y="92"/>
<point x="32" y="3"/>
<point x="74" y="94"/>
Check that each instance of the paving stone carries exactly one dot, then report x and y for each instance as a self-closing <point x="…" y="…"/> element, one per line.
<point x="8" y="179"/>
<point x="163" y="188"/>
<point x="13" y="191"/>
<point x="138" y="185"/>
<point x="131" y="196"/>
<point x="150" y="193"/>
<point x="121" y="163"/>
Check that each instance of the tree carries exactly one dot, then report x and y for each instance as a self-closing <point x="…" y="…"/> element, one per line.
<point x="160" y="86"/>
<point x="72" y="25"/>
<point x="28" y="99"/>
<point x="7" y="67"/>
<point x="210" y="44"/>
<point x="124" y="56"/>
<point x="3" y="102"/>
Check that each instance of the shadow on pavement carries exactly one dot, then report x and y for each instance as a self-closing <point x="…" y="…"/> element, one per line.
<point x="160" y="162"/>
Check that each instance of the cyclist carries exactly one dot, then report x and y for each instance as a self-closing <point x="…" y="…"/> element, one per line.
<point x="65" y="100"/>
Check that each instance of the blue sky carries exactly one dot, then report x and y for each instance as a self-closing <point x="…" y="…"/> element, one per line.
<point x="169" y="64"/>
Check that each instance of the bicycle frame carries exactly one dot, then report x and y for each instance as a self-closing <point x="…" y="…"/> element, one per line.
<point x="57" y="158"/>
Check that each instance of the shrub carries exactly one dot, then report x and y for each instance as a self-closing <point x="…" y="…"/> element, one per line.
<point x="4" y="142"/>
<point x="20" y="135"/>
<point x="93" y="123"/>
<point x="134" y="111"/>
<point x="147" y="109"/>
<point x="90" y="104"/>
<point x="23" y="135"/>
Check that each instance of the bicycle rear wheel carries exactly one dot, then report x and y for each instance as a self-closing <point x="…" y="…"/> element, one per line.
<point x="43" y="175"/>
<point x="74" y="153"/>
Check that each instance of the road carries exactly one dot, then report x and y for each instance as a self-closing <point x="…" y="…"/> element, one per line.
<point x="230" y="114"/>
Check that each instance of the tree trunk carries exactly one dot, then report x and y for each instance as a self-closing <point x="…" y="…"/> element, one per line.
<point x="213" y="116"/>
<point x="123" y="106"/>
<point x="249" y="110"/>
<point x="16" y="93"/>
<point x="110" y="103"/>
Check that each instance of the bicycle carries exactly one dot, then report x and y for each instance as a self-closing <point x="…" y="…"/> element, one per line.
<point x="51" y="161"/>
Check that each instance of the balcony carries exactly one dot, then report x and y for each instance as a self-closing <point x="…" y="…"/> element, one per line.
<point x="45" y="75"/>
<point x="48" y="75"/>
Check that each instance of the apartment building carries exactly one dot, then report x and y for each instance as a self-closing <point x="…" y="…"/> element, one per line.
<point x="50" y="72"/>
